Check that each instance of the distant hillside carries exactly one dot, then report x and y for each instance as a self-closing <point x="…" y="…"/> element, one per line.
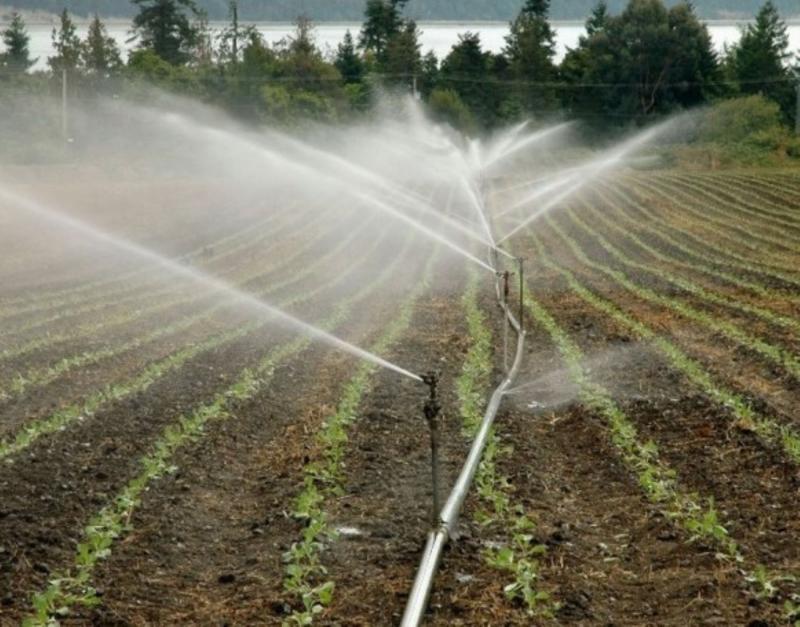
<point x="351" y="10"/>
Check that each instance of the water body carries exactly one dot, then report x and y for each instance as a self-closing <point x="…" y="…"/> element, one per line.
<point x="436" y="36"/>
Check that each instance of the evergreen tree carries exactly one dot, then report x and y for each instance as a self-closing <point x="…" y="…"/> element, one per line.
<point x="382" y="21"/>
<point x="315" y="86"/>
<point x="466" y="71"/>
<point x="347" y="61"/>
<point x="167" y="28"/>
<point x="598" y="19"/>
<point x="759" y="61"/>
<point x="429" y="74"/>
<point x="99" y="52"/>
<point x="403" y="63"/>
<point x="536" y="8"/>
<point x="67" y="45"/>
<point x="696" y="74"/>
<point x="530" y="49"/>
<point x="16" y="57"/>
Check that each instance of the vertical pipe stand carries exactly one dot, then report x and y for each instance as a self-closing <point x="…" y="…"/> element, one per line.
<point x="506" y="289"/>
<point x="64" y="112"/>
<point x="521" y="263"/>
<point x="431" y="409"/>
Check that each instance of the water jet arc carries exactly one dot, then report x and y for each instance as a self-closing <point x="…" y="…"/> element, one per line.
<point x="217" y="285"/>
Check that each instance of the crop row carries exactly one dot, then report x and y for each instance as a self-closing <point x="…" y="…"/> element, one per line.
<point x="141" y="381"/>
<point x="746" y="235"/>
<point x="781" y="356"/>
<point x="776" y="186"/>
<point x="518" y="554"/>
<point x="685" y="242"/>
<point x="104" y="300"/>
<point x="304" y="573"/>
<point x="739" y="206"/>
<point x="114" y="286"/>
<point x="783" y="187"/>
<point x="115" y="322"/>
<point x="761" y="195"/>
<point x="732" y="242"/>
<point x="117" y="285"/>
<point x="627" y="228"/>
<point x="75" y="586"/>
<point x="735" y="208"/>
<point x="686" y="285"/>
<point x="695" y="514"/>
<point x="773" y="433"/>
<point x="36" y="377"/>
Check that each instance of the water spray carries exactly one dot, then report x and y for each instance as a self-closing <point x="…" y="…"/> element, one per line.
<point x="211" y="283"/>
<point x="431" y="410"/>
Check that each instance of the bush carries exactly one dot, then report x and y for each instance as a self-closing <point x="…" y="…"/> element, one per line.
<point x="747" y="130"/>
<point x="145" y="69"/>
<point x="447" y="106"/>
<point x="752" y="119"/>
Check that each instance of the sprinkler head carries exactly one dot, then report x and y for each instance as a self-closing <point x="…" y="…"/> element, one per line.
<point x="506" y="285"/>
<point x="431" y="379"/>
<point x="432" y="407"/>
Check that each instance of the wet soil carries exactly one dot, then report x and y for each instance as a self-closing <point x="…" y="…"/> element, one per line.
<point x="205" y="544"/>
<point x="53" y="487"/>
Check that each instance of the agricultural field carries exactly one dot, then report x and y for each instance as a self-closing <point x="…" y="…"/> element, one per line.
<point x="167" y="457"/>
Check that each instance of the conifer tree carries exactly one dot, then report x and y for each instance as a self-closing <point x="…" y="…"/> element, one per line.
<point x="382" y="21"/>
<point x="760" y="60"/>
<point x="347" y="61"/>
<point x="530" y="49"/>
<point x="66" y="44"/>
<point x="16" y="57"/>
<point x="99" y="51"/>
<point x="168" y="28"/>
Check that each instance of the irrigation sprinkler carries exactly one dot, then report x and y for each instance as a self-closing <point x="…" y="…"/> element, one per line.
<point x="446" y="524"/>
<point x="493" y="258"/>
<point x="506" y="289"/>
<point x="521" y="263"/>
<point x="431" y="410"/>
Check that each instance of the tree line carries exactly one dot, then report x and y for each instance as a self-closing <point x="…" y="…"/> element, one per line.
<point x="351" y="10"/>
<point x="645" y="61"/>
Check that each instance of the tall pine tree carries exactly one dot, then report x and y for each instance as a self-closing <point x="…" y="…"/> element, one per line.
<point x="168" y="28"/>
<point x="66" y="44"/>
<point x="760" y="61"/>
<point x="382" y="21"/>
<point x="17" y="57"/>
<point x="100" y="52"/>
<point x="347" y="61"/>
<point x="466" y="71"/>
<point x="530" y="49"/>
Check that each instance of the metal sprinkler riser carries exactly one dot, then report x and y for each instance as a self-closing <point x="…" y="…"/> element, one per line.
<point x="431" y="410"/>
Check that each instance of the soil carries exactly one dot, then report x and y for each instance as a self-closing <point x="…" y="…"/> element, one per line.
<point x="205" y="545"/>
